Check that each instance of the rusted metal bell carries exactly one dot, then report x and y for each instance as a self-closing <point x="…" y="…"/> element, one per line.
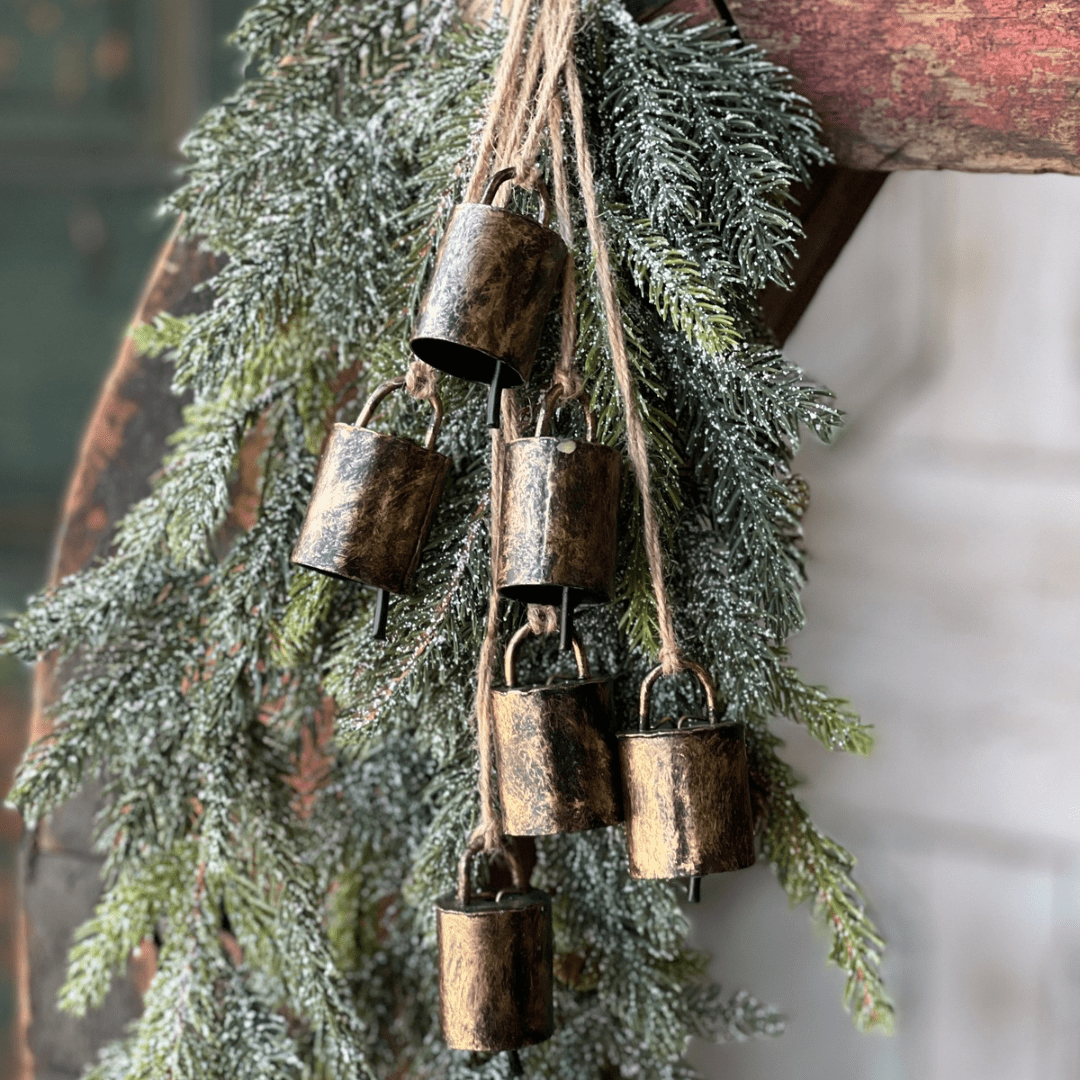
<point x="555" y="751"/>
<point x="495" y="965"/>
<point x="493" y="283"/>
<point x="560" y="505"/>
<point x="373" y="502"/>
<point x="687" y="792"/>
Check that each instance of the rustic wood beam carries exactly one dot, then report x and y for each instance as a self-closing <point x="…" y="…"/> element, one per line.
<point x="977" y="85"/>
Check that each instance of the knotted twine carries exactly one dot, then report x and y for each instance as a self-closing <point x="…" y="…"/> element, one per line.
<point x="524" y="107"/>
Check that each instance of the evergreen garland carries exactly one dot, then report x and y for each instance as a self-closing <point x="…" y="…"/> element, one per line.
<point x="290" y="877"/>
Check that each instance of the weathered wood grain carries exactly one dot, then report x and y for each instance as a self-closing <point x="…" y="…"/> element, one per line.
<point x="978" y="85"/>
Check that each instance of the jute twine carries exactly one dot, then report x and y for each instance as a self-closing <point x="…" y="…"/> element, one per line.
<point x="525" y="107"/>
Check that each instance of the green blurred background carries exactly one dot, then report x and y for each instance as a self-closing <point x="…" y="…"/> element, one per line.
<point x="95" y="96"/>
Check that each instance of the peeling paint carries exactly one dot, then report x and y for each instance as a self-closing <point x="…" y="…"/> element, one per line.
<point x="968" y="84"/>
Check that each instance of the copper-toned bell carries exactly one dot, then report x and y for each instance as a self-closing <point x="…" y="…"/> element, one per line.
<point x="495" y="965"/>
<point x="560" y="505"/>
<point x="492" y="286"/>
<point x="373" y="503"/>
<point x="687" y="793"/>
<point x="555" y="751"/>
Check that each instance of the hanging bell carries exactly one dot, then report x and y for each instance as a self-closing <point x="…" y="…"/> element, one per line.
<point x="492" y="286"/>
<point x="495" y="964"/>
<point x="555" y="751"/>
<point x="687" y="792"/>
<point x="560" y="504"/>
<point x="373" y="503"/>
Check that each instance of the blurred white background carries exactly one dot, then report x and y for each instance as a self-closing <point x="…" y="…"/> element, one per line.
<point x="944" y="600"/>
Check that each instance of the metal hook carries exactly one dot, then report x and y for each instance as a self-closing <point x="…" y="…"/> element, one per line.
<point x="388" y="388"/>
<point x="538" y="186"/>
<point x="503" y="378"/>
<point x="510" y="658"/>
<point x="379" y="617"/>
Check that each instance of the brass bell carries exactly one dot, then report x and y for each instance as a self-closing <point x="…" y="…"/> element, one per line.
<point x="372" y="505"/>
<point x="555" y="751"/>
<point x="492" y="286"/>
<point x="687" y="792"/>
<point x="560" y="504"/>
<point x="496" y="957"/>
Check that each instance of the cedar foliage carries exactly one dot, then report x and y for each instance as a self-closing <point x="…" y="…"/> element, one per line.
<point x="296" y="926"/>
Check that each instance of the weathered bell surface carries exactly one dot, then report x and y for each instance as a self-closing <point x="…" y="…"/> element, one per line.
<point x="687" y="795"/>
<point x="492" y="286"/>
<point x="496" y="978"/>
<point x="372" y="505"/>
<point x="559" y="514"/>
<point x="557" y="761"/>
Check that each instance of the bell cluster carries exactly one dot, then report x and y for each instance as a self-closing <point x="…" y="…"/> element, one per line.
<point x="681" y="786"/>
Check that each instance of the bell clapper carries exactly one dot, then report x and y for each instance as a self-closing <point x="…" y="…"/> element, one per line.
<point x="516" y="1068"/>
<point x="494" y="404"/>
<point x="693" y="890"/>
<point x="382" y="609"/>
<point x="566" y="620"/>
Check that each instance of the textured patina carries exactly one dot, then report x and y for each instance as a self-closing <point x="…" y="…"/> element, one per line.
<point x="558" y="520"/>
<point x="496" y="975"/>
<point x="688" y="800"/>
<point x="686" y="789"/>
<point x="372" y="505"/>
<point x="556" y="754"/>
<point x="493" y="283"/>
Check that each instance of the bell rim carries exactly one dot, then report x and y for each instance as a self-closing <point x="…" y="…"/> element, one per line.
<point x="556" y="439"/>
<point x="552" y="593"/>
<point x="705" y="869"/>
<point x="484" y="905"/>
<point x="563" y="830"/>
<point x="338" y="575"/>
<point x="727" y="729"/>
<point x="352" y="429"/>
<point x="514" y="216"/>
<point x="562" y="684"/>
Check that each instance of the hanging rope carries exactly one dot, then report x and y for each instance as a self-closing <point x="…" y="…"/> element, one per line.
<point x="637" y="444"/>
<point x="421" y="380"/>
<point x="524" y="96"/>
<point x="524" y="108"/>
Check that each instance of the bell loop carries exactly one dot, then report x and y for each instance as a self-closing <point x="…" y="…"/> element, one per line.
<point x="553" y="398"/>
<point x="510" y="659"/>
<point x="657" y="673"/>
<point x="464" y="876"/>
<point x="537" y="184"/>
<point x="388" y="388"/>
<point x="543" y="619"/>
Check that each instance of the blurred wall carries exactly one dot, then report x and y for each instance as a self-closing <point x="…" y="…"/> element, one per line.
<point x="944" y="599"/>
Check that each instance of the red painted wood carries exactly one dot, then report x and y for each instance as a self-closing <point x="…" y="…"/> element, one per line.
<point x="982" y="85"/>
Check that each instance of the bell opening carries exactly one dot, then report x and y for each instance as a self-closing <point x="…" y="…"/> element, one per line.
<point x="552" y="595"/>
<point x="462" y="361"/>
<point x="337" y="574"/>
<point x="485" y="903"/>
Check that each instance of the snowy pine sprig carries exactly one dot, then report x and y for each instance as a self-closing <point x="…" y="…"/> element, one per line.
<point x="289" y="876"/>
